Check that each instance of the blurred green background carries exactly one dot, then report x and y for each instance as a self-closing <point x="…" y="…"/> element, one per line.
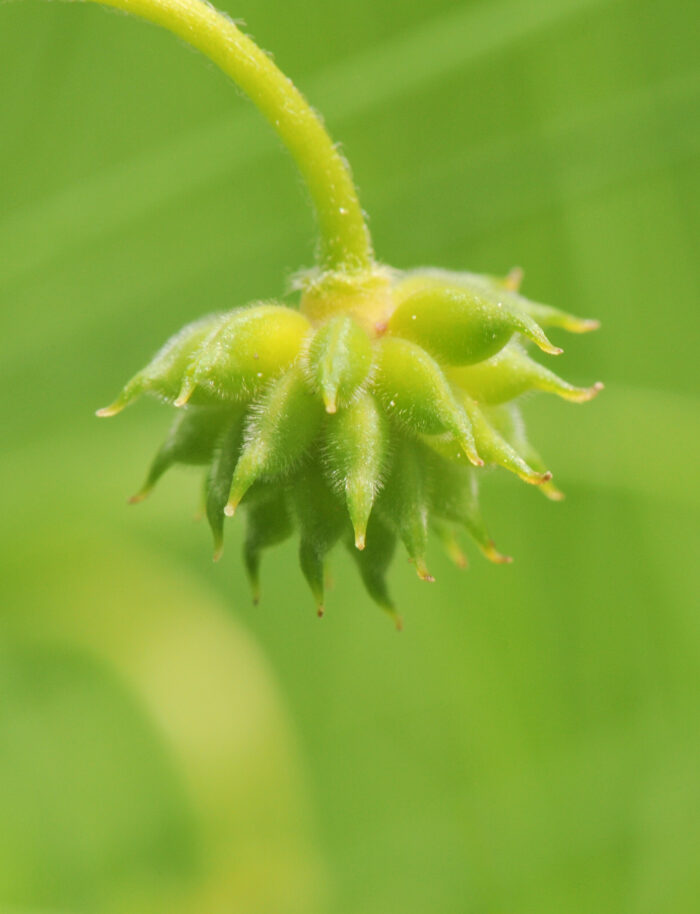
<point x="531" y="742"/>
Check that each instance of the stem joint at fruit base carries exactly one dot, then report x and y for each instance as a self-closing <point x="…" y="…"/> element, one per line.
<point x="365" y="295"/>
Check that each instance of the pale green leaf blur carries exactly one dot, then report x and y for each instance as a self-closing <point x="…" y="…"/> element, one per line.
<point x="531" y="742"/>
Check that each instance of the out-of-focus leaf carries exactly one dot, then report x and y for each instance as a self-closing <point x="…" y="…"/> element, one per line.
<point x="146" y="762"/>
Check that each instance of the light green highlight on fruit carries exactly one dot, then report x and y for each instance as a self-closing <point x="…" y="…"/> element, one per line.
<point x="339" y="361"/>
<point x="247" y="348"/>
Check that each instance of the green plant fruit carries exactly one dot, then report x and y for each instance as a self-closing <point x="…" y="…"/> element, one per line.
<point x="371" y="434"/>
<point x="365" y="414"/>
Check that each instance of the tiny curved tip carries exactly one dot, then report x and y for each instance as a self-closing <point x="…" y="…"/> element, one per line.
<point x="585" y="325"/>
<point x="552" y="493"/>
<point x="584" y="394"/>
<point x="537" y="335"/>
<point x="533" y="477"/>
<point x="218" y="551"/>
<point x="493" y="555"/>
<point x="423" y="573"/>
<point x="138" y="497"/>
<point x="387" y="605"/>
<point x="185" y="393"/>
<point x="254" y="590"/>
<point x="513" y="280"/>
<point x="106" y="412"/>
<point x="360" y="542"/>
<point x="329" y="395"/>
<point x="230" y="509"/>
<point x="320" y="610"/>
<point x="455" y="553"/>
<point x="471" y="453"/>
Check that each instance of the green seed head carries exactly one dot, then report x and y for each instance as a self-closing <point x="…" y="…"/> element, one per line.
<point x="365" y="416"/>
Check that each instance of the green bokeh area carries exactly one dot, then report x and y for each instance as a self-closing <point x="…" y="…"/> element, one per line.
<point x="531" y="741"/>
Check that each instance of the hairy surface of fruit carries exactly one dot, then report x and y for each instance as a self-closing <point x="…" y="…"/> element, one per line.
<point x="365" y="416"/>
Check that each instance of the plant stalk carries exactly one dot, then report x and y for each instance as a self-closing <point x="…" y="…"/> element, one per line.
<point x="345" y="246"/>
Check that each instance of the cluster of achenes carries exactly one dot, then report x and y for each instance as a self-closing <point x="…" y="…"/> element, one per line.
<point x="367" y="425"/>
<point x="364" y="415"/>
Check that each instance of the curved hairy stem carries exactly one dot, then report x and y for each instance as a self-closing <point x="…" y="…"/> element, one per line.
<point x="345" y="241"/>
